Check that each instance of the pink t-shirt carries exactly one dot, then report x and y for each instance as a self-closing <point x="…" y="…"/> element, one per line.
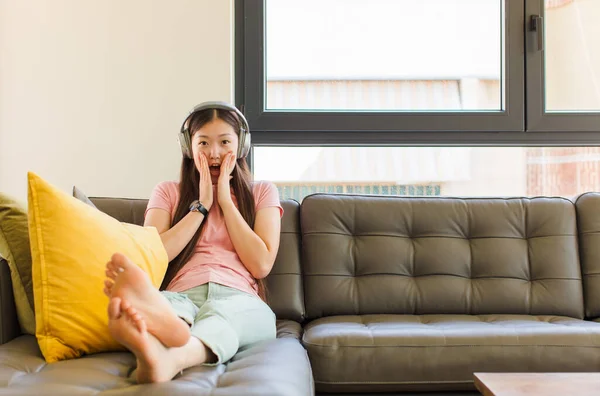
<point x="215" y="259"/>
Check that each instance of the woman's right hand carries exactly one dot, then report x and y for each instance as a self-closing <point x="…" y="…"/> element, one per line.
<point x="205" y="185"/>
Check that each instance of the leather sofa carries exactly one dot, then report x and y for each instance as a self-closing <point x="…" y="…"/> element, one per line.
<point x="382" y="294"/>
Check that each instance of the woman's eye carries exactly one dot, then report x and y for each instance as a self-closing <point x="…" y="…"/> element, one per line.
<point x="202" y="143"/>
<point x="225" y="141"/>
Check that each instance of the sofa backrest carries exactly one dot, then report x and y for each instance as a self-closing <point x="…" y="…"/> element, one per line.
<point x="398" y="255"/>
<point x="284" y="283"/>
<point x="588" y="225"/>
<point x="123" y="209"/>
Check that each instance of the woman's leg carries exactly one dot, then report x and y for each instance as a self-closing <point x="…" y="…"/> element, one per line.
<point x="155" y="362"/>
<point x="231" y="319"/>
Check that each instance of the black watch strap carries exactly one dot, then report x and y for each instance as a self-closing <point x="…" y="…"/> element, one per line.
<point x="197" y="206"/>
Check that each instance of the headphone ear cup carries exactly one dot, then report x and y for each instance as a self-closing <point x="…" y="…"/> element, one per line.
<point x="186" y="145"/>
<point x="244" y="145"/>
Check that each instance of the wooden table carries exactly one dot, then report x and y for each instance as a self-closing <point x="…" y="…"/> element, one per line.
<point x="520" y="384"/>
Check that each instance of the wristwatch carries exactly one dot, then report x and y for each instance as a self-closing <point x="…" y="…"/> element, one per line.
<point x="197" y="206"/>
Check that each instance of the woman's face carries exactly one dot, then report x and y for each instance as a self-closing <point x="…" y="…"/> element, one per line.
<point x="213" y="140"/>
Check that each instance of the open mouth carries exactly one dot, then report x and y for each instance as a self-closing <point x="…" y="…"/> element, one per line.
<point x="215" y="169"/>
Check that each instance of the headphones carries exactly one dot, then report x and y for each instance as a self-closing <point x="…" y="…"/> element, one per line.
<point x="185" y="136"/>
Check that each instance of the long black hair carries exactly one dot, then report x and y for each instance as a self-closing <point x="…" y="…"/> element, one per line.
<point x="189" y="186"/>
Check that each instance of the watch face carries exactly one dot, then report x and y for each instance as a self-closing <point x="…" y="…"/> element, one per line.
<point x="196" y="206"/>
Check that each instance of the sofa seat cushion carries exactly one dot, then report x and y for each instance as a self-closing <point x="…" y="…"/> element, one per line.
<point x="431" y="352"/>
<point x="278" y="367"/>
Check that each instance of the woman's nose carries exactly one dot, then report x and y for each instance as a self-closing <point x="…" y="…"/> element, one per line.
<point x="214" y="153"/>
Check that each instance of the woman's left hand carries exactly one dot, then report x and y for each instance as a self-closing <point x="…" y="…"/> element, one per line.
<point x="227" y="166"/>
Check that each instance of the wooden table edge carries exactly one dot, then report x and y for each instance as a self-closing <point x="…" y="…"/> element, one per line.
<point x="481" y="387"/>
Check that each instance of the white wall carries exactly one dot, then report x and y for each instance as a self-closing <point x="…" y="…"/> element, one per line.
<point x="93" y="92"/>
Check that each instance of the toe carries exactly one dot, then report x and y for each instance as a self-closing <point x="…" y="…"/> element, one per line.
<point x="110" y="273"/>
<point x="110" y="266"/>
<point x="140" y="324"/>
<point x="120" y="262"/>
<point x="134" y="316"/>
<point x="126" y="305"/>
<point x="114" y="308"/>
<point x="108" y="285"/>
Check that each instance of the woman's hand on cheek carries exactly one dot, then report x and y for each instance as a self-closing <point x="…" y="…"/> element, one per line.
<point x="205" y="186"/>
<point x="227" y="167"/>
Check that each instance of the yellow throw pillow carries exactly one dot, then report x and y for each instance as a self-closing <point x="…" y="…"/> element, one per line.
<point x="70" y="245"/>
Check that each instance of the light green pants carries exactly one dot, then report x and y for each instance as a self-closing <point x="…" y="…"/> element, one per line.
<point x="223" y="318"/>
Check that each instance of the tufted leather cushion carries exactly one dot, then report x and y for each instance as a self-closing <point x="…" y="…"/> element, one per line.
<point x="588" y="219"/>
<point x="123" y="209"/>
<point x="284" y="283"/>
<point x="441" y="352"/>
<point x="394" y="255"/>
<point x="278" y="367"/>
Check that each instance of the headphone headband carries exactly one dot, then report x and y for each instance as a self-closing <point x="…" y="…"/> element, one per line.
<point x="185" y="136"/>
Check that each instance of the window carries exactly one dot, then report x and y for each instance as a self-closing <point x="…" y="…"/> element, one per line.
<point x="355" y="55"/>
<point x="419" y="72"/>
<point x="422" y="97"/>
<point x="563" y="66"/>
<point x="363" y="66"/>
<point x="430" y="171"/>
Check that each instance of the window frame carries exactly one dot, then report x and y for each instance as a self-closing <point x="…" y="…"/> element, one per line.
<point x="538" y="120"/>
<point x="465" y="128"/>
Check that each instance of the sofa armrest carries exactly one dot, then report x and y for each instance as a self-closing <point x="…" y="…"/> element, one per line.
<point x="9" y="324"/>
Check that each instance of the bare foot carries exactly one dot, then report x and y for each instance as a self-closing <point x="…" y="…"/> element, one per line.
<point x="129" y="329"/>
<point x="129" y="282"/>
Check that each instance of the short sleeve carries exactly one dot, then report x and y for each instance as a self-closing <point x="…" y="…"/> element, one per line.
<point x="266" y="195"/>
<point x="164" y="196"/>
